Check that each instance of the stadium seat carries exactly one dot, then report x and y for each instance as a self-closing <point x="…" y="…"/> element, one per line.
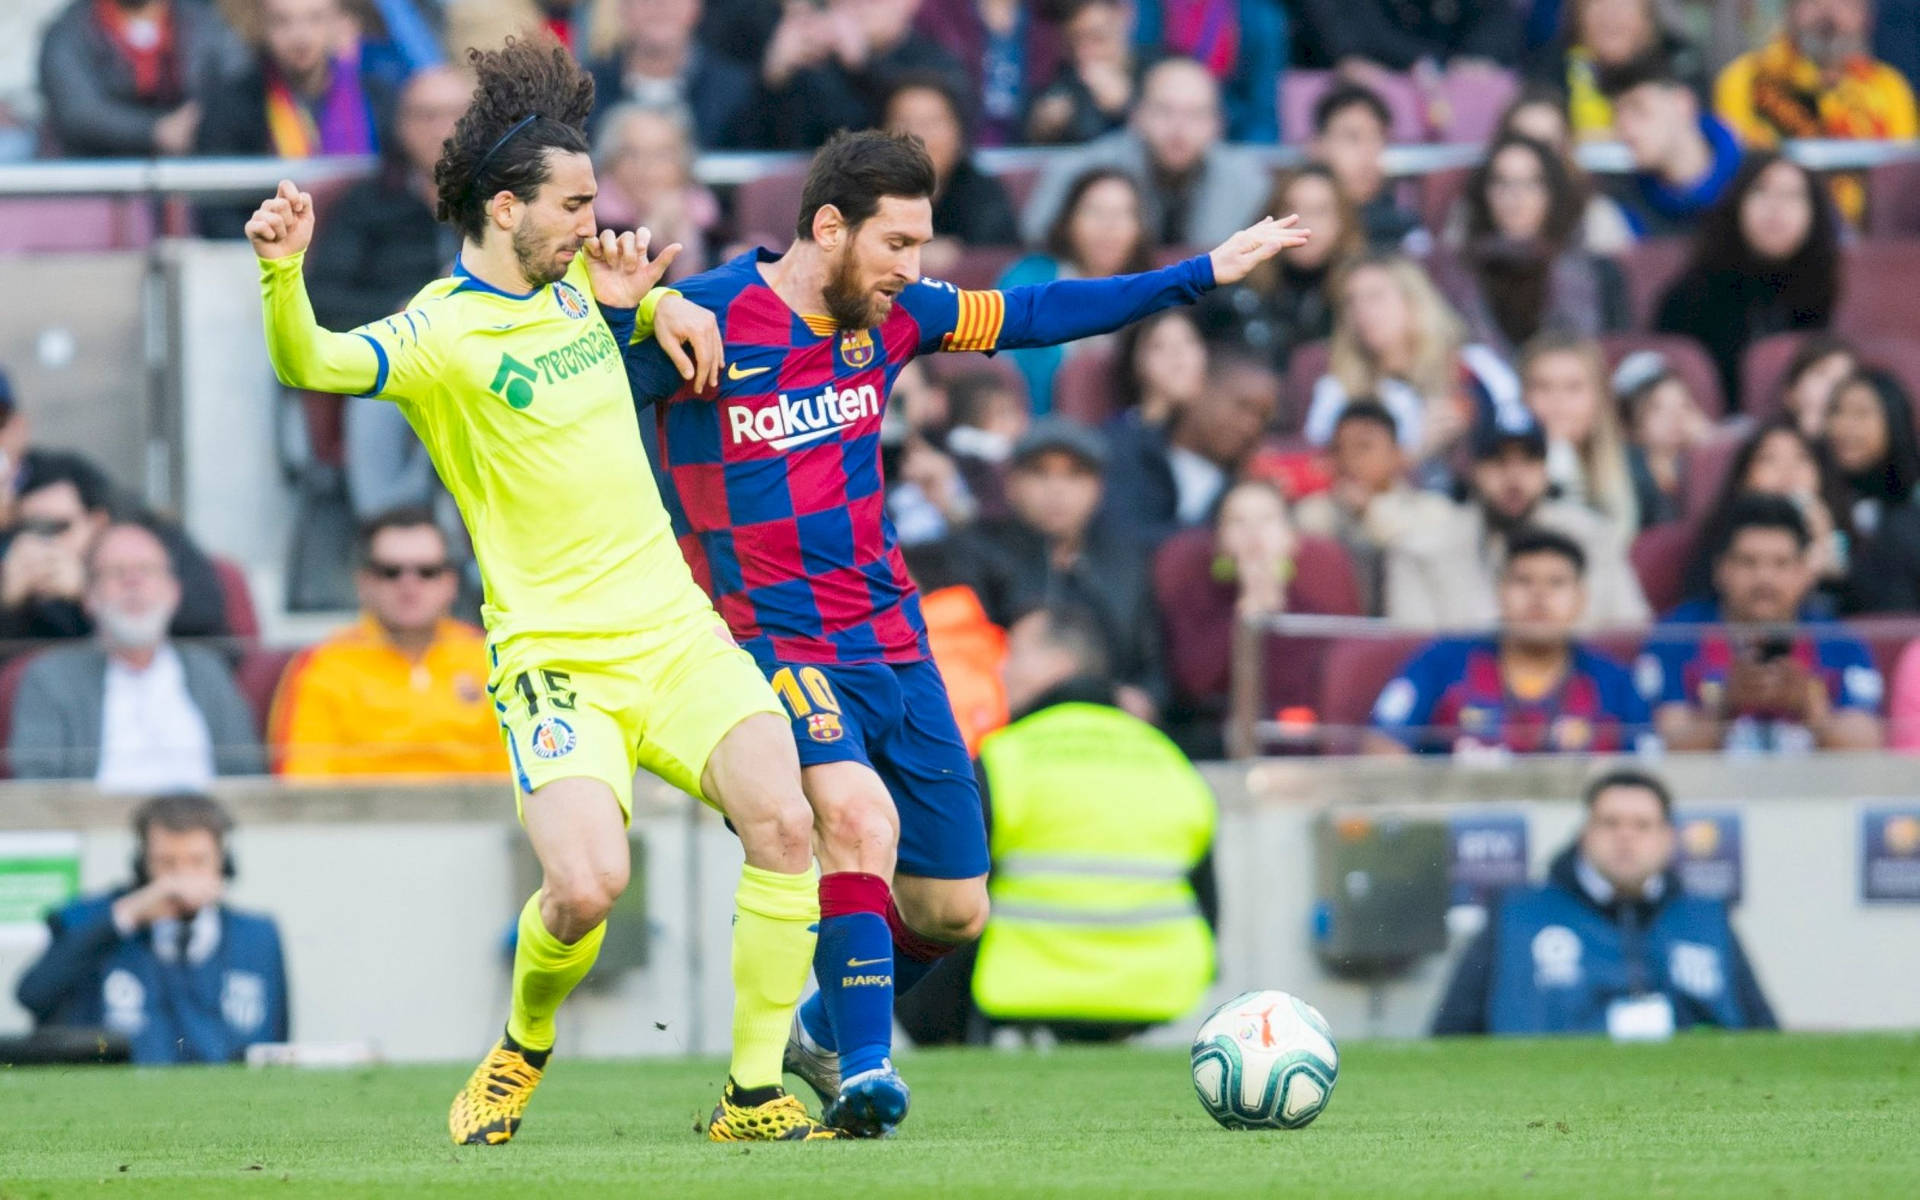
<point x="1083" y="388"/>
<point x="9" y="689"/>
<point x="50" y="224"/>
<point x="1707" y="467"/>
<point x="1304" y="369"/>
<point x="1301" y="90"/>
<point x="764" y="208"/>
<point x="1019" y="182"/>
<point x="1683" y="355"/>
<point x="1650" y="267"/>
<point x="1876" y="296"/>
<point x="982" y="266"/>
<point x="258" y="677"/>
<point x="1351" y="676"/>
<point x="1467" y="109"/>
<point x="1659" y="556"/>
<point x="1893" y="200"/>
<point x="243" y="619"/>
<point x="1439" y="191"/>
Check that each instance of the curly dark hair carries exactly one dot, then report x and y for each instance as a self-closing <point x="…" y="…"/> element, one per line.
<point x="531" y="97"/>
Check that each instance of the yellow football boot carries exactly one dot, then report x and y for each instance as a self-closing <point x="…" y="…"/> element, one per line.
<point x="781" y="1119"/>
<point x="487" y="1111"/>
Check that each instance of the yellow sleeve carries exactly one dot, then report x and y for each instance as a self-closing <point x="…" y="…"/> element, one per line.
<point x="1733" y="101"/>
<point x="1903" y="122"/>
<point x="395" y="357"/>
<point x="643" y="318"/>
<point x="302" y="725"/>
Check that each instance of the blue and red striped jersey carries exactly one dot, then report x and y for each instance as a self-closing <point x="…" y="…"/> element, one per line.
<point x="1453" y="694"/>
<point x="775" y="488"/>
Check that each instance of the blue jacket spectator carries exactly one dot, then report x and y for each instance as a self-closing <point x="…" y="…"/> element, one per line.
<point x="1243" y="43"/>
<point x="1530" y="689"/>
<point x="1684" y="158"/>
<point x="132" y="79"/>
<point x="1609" y="943"/>
<point x="1791" y="680"/>
<point x="164" y="962"/>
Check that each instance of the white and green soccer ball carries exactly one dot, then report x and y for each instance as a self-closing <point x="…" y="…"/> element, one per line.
<point x="1265" y="1060"/>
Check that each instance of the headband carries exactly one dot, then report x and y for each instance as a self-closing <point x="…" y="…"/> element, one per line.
<point x="506" y="137"/>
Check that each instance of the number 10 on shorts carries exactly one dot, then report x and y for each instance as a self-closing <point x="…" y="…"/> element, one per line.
<point x="809" y="697"/>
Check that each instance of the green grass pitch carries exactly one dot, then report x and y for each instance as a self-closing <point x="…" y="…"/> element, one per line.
<point x="1705" y="1116"/>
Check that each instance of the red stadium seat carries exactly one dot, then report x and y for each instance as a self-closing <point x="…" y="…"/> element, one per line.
<point x="1650" y="267"/>
<point x="1439" y="192"/>
<point x="1764" y="367"/>
<point x="1659" y="557"/>
<point x="1876" y="297"/>
<point x="764" y="208"/>
<point x="243" y="619"/>
<point x="258" y="678"/>
<point x="1893" y="199"/>
<point x="1084" y="388"/>
<point x="982" y="266"/>
<point x="1467" y="109"/>
<point x="1707" y="467"/>
<point x="1301" y="90"/>
<point x="1351" y="676"/>
<point x="49" y="224"/>
<point x="1683" y="355"/>
<point x="1304" y="369"/>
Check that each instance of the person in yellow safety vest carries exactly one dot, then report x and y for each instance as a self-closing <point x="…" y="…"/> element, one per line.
<point x="1102" y="885"/>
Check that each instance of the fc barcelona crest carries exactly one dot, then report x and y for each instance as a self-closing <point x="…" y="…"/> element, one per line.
<point x="824" y="727"/>
<point x="856" y="349"/>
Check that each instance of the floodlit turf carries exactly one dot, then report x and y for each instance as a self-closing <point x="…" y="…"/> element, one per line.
<point x="1708" y="1116"/>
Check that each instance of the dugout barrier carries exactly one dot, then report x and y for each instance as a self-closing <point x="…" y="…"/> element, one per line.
<point x="394" y="901"/>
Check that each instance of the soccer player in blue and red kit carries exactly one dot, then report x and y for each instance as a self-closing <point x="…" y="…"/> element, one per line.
<point x="778" y="499"/>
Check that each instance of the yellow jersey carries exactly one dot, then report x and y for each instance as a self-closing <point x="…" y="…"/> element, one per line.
<point x="523" y="404"/>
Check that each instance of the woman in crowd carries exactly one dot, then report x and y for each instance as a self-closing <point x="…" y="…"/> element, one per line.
<point x="1288" y="301"/>
<point x="1520" y="269"/>
<point x="1564" y="382"/>
<point x="1817" y="367"/>
<point x="1098" y="233"/>
<point x="1779" y="460"/>
<point x="1601" y="34"/>
<point x="644" y="153"/>
<point x="1096" y="86"/>
<point x="1665" y="424"/>
<point x="1540" y="112"/>
<point x="1395" y="339"/>
<point x="1766" y="260"/>
<point x="1161" y="366"/>
<point x="1870" y="438"/>
<point x="970" y="207"/>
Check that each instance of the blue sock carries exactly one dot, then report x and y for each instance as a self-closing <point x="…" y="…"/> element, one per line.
<point x="853" y="961"/>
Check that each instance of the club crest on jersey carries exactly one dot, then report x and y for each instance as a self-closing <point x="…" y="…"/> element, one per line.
<point x="856" y="349"/>
<point x="824" y="727"/>
<point x="571" y="301"/>
<point x="553" y="738"/>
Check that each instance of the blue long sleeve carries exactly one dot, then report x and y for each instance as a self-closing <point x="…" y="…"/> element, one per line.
<point x="1046" y="314"/>
<point x="83" y="936"/>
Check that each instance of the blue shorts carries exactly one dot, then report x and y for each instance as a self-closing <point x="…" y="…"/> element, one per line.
<point x="897" y="720"/>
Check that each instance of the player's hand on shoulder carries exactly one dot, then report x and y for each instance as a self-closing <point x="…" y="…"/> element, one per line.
<point x="619" y="269"/>
<point x="1244" y="251"/>
<point x="691" y="337"/>
<point x="283" y="224"/>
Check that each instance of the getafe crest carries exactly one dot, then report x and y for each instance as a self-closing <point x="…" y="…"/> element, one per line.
<point x="571" y="301"/>
<point x="856" y="349"/>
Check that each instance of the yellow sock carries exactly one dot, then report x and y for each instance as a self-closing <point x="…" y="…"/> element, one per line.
<point x="775" y="918"/>
<point x="545" y="969"/>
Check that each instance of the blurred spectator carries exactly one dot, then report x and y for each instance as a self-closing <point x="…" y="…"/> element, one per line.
<point x="1818" y="79"/>
<point x="1287" y="301"/>
<point x="304" y="96"/>
<point x="970" y="207"/>
<point x="1665" y="425"/>
<point x="1564" y="382"/>
<point x="1778" y="460"/>
<point x="1350" y="128"/>
<point x="1870" y="438"/>
<point x="1010" y="50"/>
<point x="1903" y="705"/>
<point x="1369" y="499"/>
<point x="1684" y="159"/>
<point x="23" y="24"/>
<point x="1098" y="231"/>
<point x="1052" y="551"/>
<point x="163" y="961"/>
<point x="1766" y="260"/>
<point x="134" y="712"/>
<point x="64" y="502"/>
<point x="1170" y="475"/>
<point x="660" y="63"/>
<point x="927" y="495"/>
<point x="1162" y="367"/>
<point x="399" y="37"/>
<point x="1896" y="36"/>
<point x="644" y="153"/>
<point x="1242" y="43"/>
<point x="15" y="436"/>
<point x="1396" y="341"/>
<point x="1603" y="36"/>
<point x="1521" y="269"/>
<point x="1442" y="573"/>
<point x="1093" y="92"/>
<point x="1083" y="803"/>
<point x="487" y="23"/>
<point x="990" y="416"/>
<point x="1193" y="185"/>
<point x="1610" y="943"/>
<point x="1817" y="367"/>
<point x="1771" y="688"/>
<point x="132" y="78"/>
<point x="403" y="691"/>
<point x="1528" y="689"/>
<point x="1396" y="35"/>
<point x="830" y="66"/>
<point x="1540" y="112"/>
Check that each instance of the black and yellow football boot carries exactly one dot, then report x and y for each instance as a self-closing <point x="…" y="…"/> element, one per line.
<point x="487" y="1111"/>
<point x="769" y="1114"/>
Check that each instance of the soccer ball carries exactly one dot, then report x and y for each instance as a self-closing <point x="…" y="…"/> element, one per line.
<point x="1265" y="1060"/>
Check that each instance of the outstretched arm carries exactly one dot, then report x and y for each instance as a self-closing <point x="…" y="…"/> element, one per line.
<point x="304" y="355"/>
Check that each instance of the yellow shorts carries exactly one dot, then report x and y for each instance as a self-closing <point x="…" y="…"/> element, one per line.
<point x="602" y="707"/>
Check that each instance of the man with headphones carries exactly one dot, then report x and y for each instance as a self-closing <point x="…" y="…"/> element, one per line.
<point x="164" y="962"/>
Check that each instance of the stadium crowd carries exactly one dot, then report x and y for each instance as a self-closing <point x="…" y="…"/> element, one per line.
<point x="1516" y="398"/>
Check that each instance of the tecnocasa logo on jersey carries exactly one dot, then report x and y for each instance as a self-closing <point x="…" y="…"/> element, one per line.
<point x="790" y="421"/>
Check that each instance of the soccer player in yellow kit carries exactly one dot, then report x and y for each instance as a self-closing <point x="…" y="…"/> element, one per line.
<point x="605" y="654"/>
